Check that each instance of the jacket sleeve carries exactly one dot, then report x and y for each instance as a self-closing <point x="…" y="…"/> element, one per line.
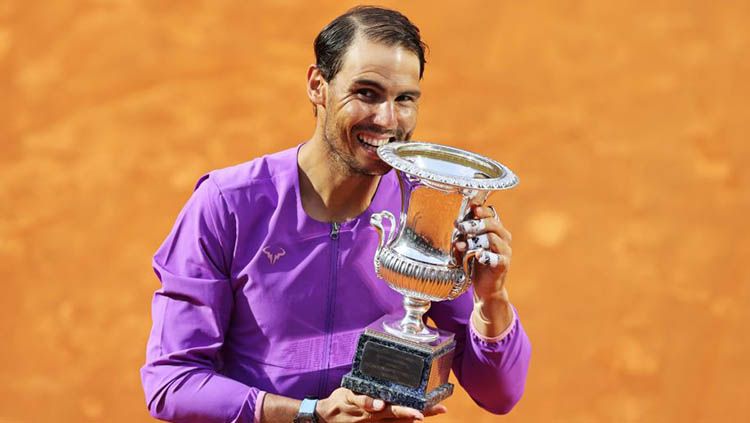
<point x="492" y="371"/>
<point x="191" y="313"/>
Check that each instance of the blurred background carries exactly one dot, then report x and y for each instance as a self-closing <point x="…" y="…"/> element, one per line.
<point x="626" y="121"/>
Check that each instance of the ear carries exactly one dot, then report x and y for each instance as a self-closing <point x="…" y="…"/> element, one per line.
<point x="317" y="87"/>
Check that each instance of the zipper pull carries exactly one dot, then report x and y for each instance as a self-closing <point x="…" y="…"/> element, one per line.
<point x="335" y="230"/>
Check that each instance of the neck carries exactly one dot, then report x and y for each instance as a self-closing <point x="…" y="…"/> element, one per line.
<point x="330" y="191"/>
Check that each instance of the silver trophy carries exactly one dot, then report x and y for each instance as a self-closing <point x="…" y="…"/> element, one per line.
<point x="409" y="363"/>
<point x="438" y="184"/>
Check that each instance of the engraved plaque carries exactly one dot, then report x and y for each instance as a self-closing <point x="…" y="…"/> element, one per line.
<point x="392" y="364"/>
<point x="399" y="371"/>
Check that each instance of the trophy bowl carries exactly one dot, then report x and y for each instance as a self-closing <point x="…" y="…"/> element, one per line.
<point x="416" y="257"/>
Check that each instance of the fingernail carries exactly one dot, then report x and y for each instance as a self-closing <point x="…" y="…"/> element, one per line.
<point x="378" y="404"/>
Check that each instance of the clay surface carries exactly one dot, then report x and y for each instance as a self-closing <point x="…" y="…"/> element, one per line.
<point x="627" y="123"/>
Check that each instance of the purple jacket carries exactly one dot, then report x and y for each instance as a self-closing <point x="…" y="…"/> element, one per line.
<point x="258" y="297"/>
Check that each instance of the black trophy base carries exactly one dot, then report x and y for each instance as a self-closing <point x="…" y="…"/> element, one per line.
<point x="394" y="394"/>
<point x="400" y="371"/>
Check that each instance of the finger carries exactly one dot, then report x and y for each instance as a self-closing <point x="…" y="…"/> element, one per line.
<point x="504" y="234"/>
<point x="498" y="245"/>
<point x="476" y="227"/>
<point x="472" y="226"/>
<point x="488" y="258"/>
<point x="401" y="412"/>
<point x="435" y="410"/>
<point x="479" y="241"/>
<point x="502" y="249"/>
<point x="377" y="405"/>
<point x="364" y="402"/>
<point x="460" y="247"/>
<point x="494" y="213"/>
<point x="483" y="212"/>
<point x="397" y="412"/>
<point x="476" y="201"/>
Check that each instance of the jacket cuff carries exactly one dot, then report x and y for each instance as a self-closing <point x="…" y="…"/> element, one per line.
<point x="487" y="340"/>
<point x="259" y="405"/>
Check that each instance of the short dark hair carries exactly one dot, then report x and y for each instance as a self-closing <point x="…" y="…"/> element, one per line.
<point x="376" y="24"/>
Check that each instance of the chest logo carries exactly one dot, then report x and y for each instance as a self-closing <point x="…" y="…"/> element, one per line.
<point x="273" y="254"/>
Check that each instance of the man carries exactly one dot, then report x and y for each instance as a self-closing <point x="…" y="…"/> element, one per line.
<point x="267" y="276"/>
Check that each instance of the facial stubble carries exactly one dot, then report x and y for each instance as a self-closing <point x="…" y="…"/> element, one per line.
<point x="344" y="160"/>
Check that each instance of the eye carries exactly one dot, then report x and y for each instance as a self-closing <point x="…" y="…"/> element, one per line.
<point x="366" y="93"/>
<point x="405" y="98"/>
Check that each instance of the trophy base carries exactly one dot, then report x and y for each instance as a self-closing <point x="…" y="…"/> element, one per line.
<point x="400" y="371"/>
<point x="394" y="395"/>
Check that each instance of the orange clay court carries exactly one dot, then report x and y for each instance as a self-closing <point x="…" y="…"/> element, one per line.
<point x="627" y="123"/>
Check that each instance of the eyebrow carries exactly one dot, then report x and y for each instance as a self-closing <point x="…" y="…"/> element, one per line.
<point x="379" y="86"/>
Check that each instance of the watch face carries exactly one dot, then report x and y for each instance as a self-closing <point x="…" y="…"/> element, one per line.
<point x="306" y="413"/>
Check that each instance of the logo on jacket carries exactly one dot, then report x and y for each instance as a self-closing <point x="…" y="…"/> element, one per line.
<point x="273" y="253"/>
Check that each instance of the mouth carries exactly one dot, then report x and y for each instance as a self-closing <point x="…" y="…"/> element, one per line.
<point x="371" y="141"/>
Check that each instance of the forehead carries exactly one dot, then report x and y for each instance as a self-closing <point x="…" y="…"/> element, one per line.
<point x="390" y="65"/>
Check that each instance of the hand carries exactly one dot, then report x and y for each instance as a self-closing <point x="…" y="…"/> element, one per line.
<point x="345" y="406"/>
<point x="486" y="236"/>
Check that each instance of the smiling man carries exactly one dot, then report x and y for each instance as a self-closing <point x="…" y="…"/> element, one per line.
<point x="267" y="276"/>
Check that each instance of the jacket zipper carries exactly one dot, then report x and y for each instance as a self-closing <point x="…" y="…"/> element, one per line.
<point x="335" y="227"/>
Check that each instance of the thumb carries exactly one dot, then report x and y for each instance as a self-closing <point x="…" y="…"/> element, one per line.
<point x="364" y="402"/>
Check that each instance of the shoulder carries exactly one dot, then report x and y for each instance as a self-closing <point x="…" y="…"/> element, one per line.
<point x="250" y="175"/>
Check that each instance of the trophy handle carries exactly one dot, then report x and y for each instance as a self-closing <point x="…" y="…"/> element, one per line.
<point x="376" y="220"/>
<point x="469" y="265"/>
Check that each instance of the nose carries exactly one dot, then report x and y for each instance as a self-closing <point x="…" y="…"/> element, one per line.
<point x="385" y="115"/>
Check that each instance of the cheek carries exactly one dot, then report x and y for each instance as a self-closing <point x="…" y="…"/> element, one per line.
<point x="408" y="118"/>
<point x="353" y="112"/>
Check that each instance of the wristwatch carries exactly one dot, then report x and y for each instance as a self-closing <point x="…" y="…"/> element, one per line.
<point x="306" y="413"/>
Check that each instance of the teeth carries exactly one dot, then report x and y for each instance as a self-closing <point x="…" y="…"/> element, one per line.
<point x="375" y="142"/>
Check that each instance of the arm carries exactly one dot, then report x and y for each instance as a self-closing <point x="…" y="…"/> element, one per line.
<point x="342" y="406"/>
<point x="276" y="408"/>
<point x="191" y="314"/>
<point x="492" y="370"/>
<point x="493" y="351"/>
<point x="506" y="356"/>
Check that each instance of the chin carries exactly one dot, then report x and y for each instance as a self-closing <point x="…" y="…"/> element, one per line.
<point x="380" y="170"/>
<point x="372" y="170"/>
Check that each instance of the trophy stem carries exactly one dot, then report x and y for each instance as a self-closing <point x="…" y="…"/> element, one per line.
<point x="412" y="326"/>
